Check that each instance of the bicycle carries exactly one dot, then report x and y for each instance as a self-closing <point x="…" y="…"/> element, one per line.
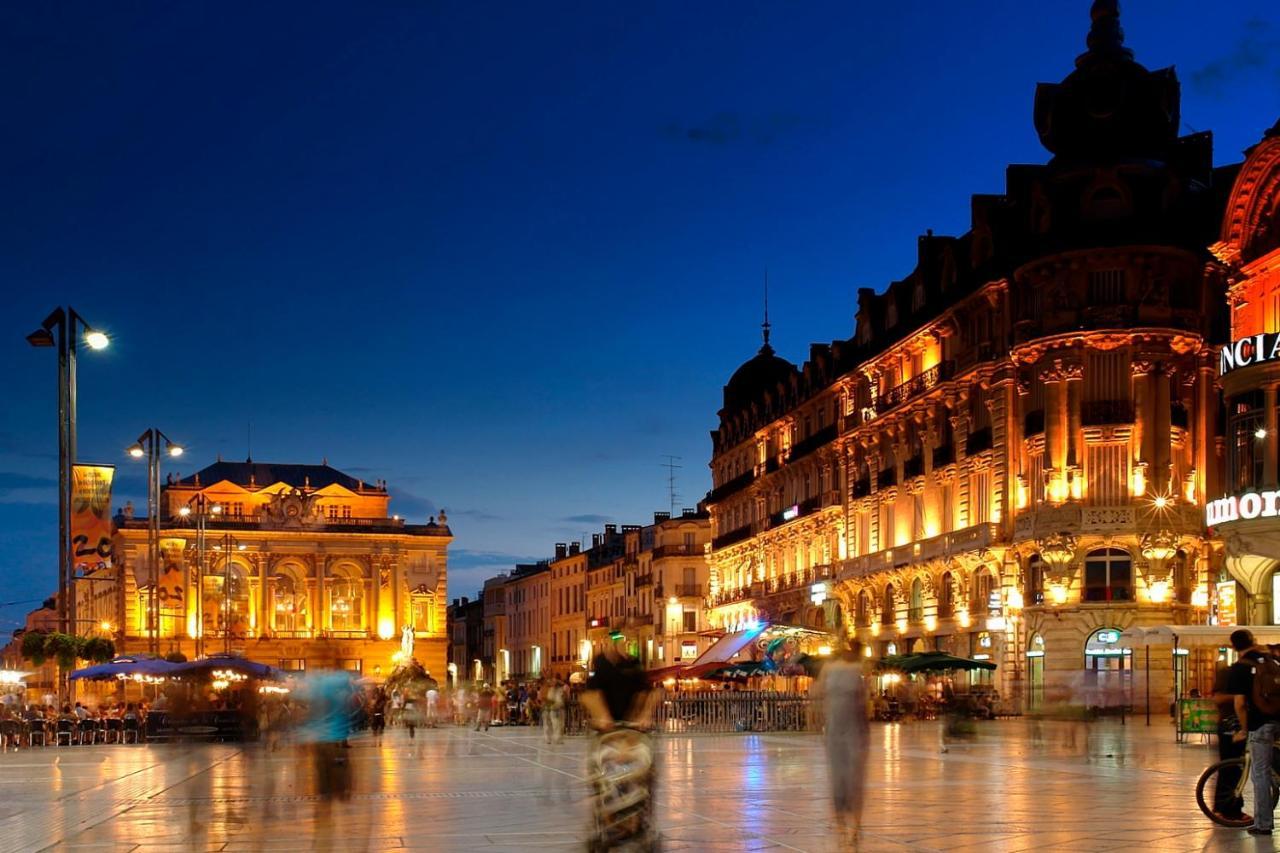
<point x="1241" y="789"/>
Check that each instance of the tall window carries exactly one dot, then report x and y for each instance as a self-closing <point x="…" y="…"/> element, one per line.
<point x="916" y="611"/>
<point x="863" y="613"/>
<point x="1108" y="575"/>
<point x="983" y="585"/>
<point x="947" y="596"/>
<point x="346" y="603"/>
<point x="917" y="516"/>
<point x="288" y="605"/>
<point x="1108" y="473"/>
<point x="1246" y="439"/>
<point x="1106" y="287"/>
<point x="229" y="611"/>
<point x="887" y="611"/>
<point x="1035" y="580"/>
<point x="980" y="497"/>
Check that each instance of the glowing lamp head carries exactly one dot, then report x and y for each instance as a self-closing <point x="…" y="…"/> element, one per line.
<point x="136" y="451"/>
<point x="1161" y="502"/>
<point x="96" y="340"/>
<point x="184" y="511"/>
<point x="175" y="450"/>
<point x="1261" y="432"/>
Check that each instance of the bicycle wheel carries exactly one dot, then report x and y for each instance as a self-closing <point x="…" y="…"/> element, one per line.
<point x="1225" y="795"/>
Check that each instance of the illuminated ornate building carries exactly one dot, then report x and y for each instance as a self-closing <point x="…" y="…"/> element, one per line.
<point x="292" y="565"/>
<point x="1007" y="459"/>
<point x="1244" y="514"/>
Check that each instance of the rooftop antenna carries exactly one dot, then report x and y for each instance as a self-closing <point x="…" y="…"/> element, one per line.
<point x="671" y="467"/>
<point x="248" y="439"/>
<point x="764" y="327"/>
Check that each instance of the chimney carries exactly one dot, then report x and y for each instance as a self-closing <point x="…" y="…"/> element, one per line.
<point x="610" y="530"/>
<point x="562" y="550"/>
<point x="595" y="540"/>
<point x="575" y="548"/>
<point x="659" y="517"/>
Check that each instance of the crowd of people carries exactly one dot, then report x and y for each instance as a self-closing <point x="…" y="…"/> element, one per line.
<point x="424" y="705"/>
<point x="39" y="724"/>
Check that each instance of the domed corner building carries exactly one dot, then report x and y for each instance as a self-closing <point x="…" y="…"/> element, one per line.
<point x="1244" y="511"/>
<point x="1009" y="458"/>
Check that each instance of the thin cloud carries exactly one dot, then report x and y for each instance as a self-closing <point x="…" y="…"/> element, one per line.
<point x="410" y="505"/>
<point x="1255" y="50"/>
<point x="588" y="518"/>
<point x="477" y="514"/>
<point x="13" y="481"/>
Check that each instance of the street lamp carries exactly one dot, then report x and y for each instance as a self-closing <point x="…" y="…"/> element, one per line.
<point x="202" y="509"/>
<point x="59" y="330"/>
<point x="228" y="543"/>
<point x="149" y="445"/>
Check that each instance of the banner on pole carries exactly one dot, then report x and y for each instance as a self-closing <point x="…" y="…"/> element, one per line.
<point x="91" y="516"/>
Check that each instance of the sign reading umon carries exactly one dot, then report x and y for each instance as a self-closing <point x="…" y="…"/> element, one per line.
<point x="1247" y="506"/>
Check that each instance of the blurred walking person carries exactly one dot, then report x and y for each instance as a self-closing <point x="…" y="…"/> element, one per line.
<point x="484" y="708"/>
<point x="843" y="694"/>
<point x="553" y="710"/>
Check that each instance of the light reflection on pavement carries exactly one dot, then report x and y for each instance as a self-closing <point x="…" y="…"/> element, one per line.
<point x="1016" y="786"/>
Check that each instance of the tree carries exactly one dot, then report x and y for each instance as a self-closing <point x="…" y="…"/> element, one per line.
<point x="33" y="647"/>
<point x="98" y="650"/>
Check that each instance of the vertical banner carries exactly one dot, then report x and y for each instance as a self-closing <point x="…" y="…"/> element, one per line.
<point x="91" y="516"/>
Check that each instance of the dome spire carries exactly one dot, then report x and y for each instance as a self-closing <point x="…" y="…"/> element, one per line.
<point x="765" y="326"/>
<point x="1106" y="38"/>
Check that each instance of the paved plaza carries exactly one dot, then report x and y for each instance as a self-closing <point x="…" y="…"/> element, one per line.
<point x="1016" y="786"/>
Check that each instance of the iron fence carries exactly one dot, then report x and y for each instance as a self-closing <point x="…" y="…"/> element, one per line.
<point x="723" y="712"/>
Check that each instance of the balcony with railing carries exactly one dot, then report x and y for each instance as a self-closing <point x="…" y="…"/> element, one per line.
<point x="731" y="487"/>
<point x="680" y="550"/>
<point x="914" y="387"/>
<point x="732" y="537"/>
<point x="796" y="511"/>
<point x="862" y="487"/>
<point x="805" y="447"/>
<point x="688" y="590"/>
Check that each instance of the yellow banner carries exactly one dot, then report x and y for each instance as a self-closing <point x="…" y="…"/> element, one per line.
<point x="91" y="516"/>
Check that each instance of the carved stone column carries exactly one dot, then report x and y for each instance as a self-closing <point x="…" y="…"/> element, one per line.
<point x="1143" y="434"/>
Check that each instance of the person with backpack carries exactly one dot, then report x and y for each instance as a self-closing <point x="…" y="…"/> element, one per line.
<point x="1254" y="683"/>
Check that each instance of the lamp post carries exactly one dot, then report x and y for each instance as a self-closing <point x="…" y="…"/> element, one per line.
<point x="229" y="542"/>
<point x="149" y="445"/>
<point x="201" y="508"/>
<point x="59" y="330"/>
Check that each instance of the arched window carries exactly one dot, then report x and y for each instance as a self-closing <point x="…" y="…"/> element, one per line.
<point x="947" y="596"/>
<point x="288" y="603"/>
<point x="1035" y="580"/>
<point x="863" y="617"/>
<point x="1108" y="575"/>
<point x="346" y="600"/>
<point x="983" y="585"/>
<point x="229" y="612"/>
<point x="887" y="612"/>
<point x="916" y="611"/>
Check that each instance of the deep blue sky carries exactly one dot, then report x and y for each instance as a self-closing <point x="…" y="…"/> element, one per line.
<point x="504" y="258"/>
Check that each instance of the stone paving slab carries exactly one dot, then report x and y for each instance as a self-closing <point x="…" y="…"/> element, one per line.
<point x="1017" y="786"/>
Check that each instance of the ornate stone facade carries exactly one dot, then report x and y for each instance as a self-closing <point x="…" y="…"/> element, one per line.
<point x="297" y="566"/>
<point x="1008" y="458"/>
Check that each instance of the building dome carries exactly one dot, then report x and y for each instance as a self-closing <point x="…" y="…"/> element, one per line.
<point x="1109" y="107"/>
<point x="760" y="374"/>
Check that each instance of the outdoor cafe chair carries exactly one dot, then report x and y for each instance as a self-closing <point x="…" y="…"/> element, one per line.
<point x="88" y="731"/>
<point x="67" y="729"/>
<point x="130" y="727"/>
<point x="113" y="731"/>
<point x="35" y="729"/>
<point x="11" y="733"/>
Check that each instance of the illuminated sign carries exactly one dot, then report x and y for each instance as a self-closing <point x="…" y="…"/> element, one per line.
<point x="1246" y="351"/>
<point x="1247" y="506"/>
<point x="688" y="650"/>
<point x="1107" y="636"/>
<point x="791" y="512"/>
<point x="1226" y="609"/>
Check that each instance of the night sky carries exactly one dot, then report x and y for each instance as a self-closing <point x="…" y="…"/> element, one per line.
<point x="503" y="258"/>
